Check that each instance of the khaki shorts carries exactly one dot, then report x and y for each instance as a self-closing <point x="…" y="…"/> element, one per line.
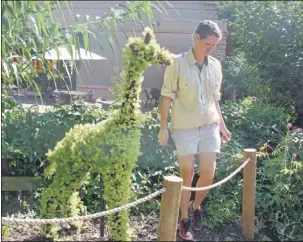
<point x="197" y="140"/>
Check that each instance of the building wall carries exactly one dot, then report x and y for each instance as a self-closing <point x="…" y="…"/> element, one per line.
<point x="173" y="33"/>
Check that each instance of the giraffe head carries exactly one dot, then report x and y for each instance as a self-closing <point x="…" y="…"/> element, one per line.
<point x="147" y="51"/>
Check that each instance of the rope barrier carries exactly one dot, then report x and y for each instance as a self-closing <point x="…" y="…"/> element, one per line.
<point x="115" y="210"/>
<point x="218" y="183"/>
<point x="87" y="217"/>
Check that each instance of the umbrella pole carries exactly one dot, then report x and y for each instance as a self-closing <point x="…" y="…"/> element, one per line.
<point x="74" y="81"/>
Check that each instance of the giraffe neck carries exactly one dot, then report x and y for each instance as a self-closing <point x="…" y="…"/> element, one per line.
<point x="130" y="102"/>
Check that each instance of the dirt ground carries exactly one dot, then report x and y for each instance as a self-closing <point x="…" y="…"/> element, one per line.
<point x="144" y="227"/>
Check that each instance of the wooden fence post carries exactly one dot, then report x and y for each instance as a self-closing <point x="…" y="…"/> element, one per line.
<point x="249" y="190"/>
<point x="169" y="209"/>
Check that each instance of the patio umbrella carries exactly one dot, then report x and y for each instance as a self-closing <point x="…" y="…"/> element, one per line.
<point x="62" y="53"/>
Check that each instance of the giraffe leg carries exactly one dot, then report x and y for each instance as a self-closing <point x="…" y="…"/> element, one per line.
<point x="70" y="202"/>
<point x="49" y="208"/>
<point x="121" y="188"/>
<point x="61" y="199"/>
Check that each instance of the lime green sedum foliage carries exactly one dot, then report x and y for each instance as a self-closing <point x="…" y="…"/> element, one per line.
<point x="110" y="148"/>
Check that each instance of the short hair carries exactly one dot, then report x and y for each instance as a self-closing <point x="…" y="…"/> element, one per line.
<point x="207" y="28"/>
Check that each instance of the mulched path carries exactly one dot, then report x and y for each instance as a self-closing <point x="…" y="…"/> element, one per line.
<point x="144" y="227"/>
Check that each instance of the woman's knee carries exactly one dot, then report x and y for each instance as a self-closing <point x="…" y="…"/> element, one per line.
<point x="207" y="161"/>
<point x="186" y="164"/>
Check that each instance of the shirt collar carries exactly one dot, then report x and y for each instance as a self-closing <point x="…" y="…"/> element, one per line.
<point x="192" y="59"/>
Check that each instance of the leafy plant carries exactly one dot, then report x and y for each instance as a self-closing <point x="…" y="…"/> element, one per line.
<point x="269" y="36"/>
<point x="26" y="136"/>
<point x="279" y="172"/>
<point x="234" y="83"/>
<point x="30" y="29"/>
<point x="255" y="123"/>
<point x="280" y="188"/>
<point x="6" y="230"/>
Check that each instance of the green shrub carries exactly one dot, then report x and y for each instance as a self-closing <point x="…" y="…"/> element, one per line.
<point x="254" y="123"/>
<point x="280" y="186"/>
<point x="27" y="137"/>
<point x="234" y="84"/>
<point x="269" y="35"/>
<point x="279" y="177"/>
<point x="11" y="112"/>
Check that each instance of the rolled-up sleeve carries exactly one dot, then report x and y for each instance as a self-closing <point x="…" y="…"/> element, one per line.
<point x="217" y="92"/>
<point x="170" y="82"/>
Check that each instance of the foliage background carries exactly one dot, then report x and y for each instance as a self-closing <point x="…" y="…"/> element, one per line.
<point x="253" y="124"/>
<point x="268" y="49"/>
<point x="266" y="62"/>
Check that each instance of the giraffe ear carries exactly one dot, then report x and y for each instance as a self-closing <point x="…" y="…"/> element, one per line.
<point x="148" y="35"/>
<point x="147" y="38"/>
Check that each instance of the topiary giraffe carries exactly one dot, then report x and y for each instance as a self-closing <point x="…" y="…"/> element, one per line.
<point x="109" y="148"/>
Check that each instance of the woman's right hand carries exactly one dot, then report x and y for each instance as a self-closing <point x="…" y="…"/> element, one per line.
<point x="163" y="136"/>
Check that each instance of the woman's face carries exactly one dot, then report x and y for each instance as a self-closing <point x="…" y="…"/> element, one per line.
<point x="207" y="44"/>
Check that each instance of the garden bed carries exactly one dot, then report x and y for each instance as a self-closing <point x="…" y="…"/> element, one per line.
<point x="144" y="226"/>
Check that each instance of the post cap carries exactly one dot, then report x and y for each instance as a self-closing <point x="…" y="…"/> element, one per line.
<point x="173" y="178"/>
<point x="250" y="150"/>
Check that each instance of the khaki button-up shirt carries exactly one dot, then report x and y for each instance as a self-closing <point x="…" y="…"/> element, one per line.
<point x="194" y="91"/>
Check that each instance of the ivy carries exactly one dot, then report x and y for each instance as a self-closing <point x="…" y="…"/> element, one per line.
<point x="110" y="147"/>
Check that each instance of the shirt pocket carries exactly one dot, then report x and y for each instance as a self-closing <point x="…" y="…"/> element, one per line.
<point x="188" y="90"/>
<point x="212" y="82"/>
